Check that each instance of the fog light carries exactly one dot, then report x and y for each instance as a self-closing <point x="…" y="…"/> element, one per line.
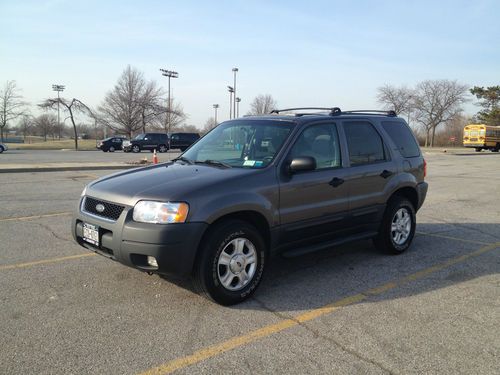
<point x="152" y="261"/>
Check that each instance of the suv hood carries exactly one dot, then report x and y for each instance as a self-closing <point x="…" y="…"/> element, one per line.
<point x="163" y="182"/>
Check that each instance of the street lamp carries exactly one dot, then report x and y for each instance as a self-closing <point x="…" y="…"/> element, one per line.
<point x="58" y="88"/>
<point x="169" y="74"/>
<point x="216" y="107"/>
<point x="231" y="91"/>
<point x="238" y="100"/>
<point x="235" y="70"/>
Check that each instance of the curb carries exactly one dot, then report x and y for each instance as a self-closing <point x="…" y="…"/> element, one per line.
<point x="68" y="168"/>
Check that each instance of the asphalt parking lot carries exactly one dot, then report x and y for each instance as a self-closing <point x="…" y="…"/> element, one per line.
<point x="434" y="309"/>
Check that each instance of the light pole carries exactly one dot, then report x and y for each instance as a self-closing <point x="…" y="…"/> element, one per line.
<point x="238" y="100"/>
<point x="58" y="88"/>
<point x="231" y="91"/>
<point x="235" y="70"/>
<point x="169" y="74"/>
<point x="216" y="107"/>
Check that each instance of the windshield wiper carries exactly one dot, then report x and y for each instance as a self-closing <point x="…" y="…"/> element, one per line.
<point x="216" y="163"/>
<point x="185" y="160"/>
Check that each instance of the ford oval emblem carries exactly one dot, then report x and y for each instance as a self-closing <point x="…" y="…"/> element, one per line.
<point x="99" y="208"/>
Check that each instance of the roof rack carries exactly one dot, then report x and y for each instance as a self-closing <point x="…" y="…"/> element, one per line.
<point x="332" y="110"/>
<point x="376" y="112"/>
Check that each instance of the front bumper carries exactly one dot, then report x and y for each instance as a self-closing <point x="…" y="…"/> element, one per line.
<point x="173" y="245"/>
<point x="422" y="193"/>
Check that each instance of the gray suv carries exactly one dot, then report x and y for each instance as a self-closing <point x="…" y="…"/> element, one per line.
<point x="258" y="186"/>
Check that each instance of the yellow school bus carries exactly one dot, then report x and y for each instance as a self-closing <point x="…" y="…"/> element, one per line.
<point x="480" y="136"/>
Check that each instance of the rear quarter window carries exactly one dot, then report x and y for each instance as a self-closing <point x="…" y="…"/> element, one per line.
<point x="402" y="137"/>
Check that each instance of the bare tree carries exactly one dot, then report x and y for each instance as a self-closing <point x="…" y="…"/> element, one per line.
<point x="123" y="106"/>
<point x="398" y="99"/>
<point x="44" y="125"/>
<point x="437" y="102"/>
<point x="177" y="117"/>
<point x="72" y="107"/>
<point x="25" y="126"/>
<point x="262" y="105"/>
<point x="11" y="105"/>
<point x="150" y="102"/>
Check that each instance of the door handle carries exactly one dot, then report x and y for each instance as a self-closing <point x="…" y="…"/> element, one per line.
<point x="385" y="173"/>
<point x="335" y="182"/>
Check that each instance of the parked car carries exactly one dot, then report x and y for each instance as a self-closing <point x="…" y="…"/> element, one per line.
<point x="111" y="144"/>
<point x="147" y="141"/>
<point x="3" y="147"/>
<point x="183" y="140"/>
<point x="255" y="187"/>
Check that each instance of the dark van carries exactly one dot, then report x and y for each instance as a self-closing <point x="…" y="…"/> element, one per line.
<point x="183" y="140"/>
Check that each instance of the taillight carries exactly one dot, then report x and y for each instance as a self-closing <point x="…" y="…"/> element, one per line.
<point x="425" y="168"/>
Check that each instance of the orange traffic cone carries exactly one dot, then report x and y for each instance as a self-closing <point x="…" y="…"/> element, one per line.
<point x="155" y="157"/>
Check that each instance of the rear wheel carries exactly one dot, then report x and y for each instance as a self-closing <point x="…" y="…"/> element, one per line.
<point x="1" y="149"/>
<point x="231" y="262"/>
<point x="136" y="148"/>
<point x="497" y="148"/>
<point x="111" y="149"/>
<point x="398" y="226"/>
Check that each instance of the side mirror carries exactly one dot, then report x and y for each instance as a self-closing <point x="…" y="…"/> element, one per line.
<point x="302" y="163"/>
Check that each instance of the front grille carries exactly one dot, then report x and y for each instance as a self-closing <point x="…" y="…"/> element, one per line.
<point x="111" y="211"/>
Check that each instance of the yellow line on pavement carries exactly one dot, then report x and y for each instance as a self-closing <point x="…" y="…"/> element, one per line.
<point x="235" y="342"/>
<point x="21" y="218"/>
<point x="45" y="261"/>
<point x="453" y="238"/>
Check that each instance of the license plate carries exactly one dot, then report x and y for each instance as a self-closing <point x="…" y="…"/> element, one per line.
<point x="91" y="234"/>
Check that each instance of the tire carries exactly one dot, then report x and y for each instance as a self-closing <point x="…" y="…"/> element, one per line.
<point x="1" y="149"/>
<point x="478" y="149"/>
<point x="223" y="257"/>
<point x="397" y="228"/>
<point x="162" y="148"/>
<point x="496" y="149"/>
<point x="111" y="149"/>
<point x="136" y="148"/>
<point x="104" y="150"/>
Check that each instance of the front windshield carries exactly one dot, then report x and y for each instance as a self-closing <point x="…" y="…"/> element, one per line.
<point x="241" y="144"/>
<point x="138" y="137"/>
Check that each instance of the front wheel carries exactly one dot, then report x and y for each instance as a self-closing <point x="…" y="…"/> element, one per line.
<point x="136" y="148"/>
<point x="111" y="149"/>
<point x="1" y="149"/>
<point x="478" y="149"/>
<point x="397" y="228"/>
<point x="231" y="262"/>
<point x="162" y="148"/>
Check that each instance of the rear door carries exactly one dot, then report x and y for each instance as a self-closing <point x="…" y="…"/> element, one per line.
<point x="370" y="171"/>
<point x="314" y="204"/>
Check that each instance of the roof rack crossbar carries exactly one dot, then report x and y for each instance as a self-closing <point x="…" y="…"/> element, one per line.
<point x="332" y="110"/>
<point x="390" y="113"/>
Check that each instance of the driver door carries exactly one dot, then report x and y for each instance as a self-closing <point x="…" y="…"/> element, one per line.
<point x="314" y="204"/>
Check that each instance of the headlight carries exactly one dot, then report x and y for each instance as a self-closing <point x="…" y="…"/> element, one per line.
<point x="160" y="212"/>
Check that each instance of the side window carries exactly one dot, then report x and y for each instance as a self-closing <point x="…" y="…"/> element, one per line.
<point x="322" y="143"/>
<point x="364" y="143"/>
<point x="402" y="137"/>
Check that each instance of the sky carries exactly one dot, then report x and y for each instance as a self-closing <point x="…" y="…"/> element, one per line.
<point x="303" y="53"/>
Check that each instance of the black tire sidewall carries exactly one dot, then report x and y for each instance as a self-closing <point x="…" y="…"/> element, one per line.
<point x="207" y="268"/>
<point x="386" y="239"/>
